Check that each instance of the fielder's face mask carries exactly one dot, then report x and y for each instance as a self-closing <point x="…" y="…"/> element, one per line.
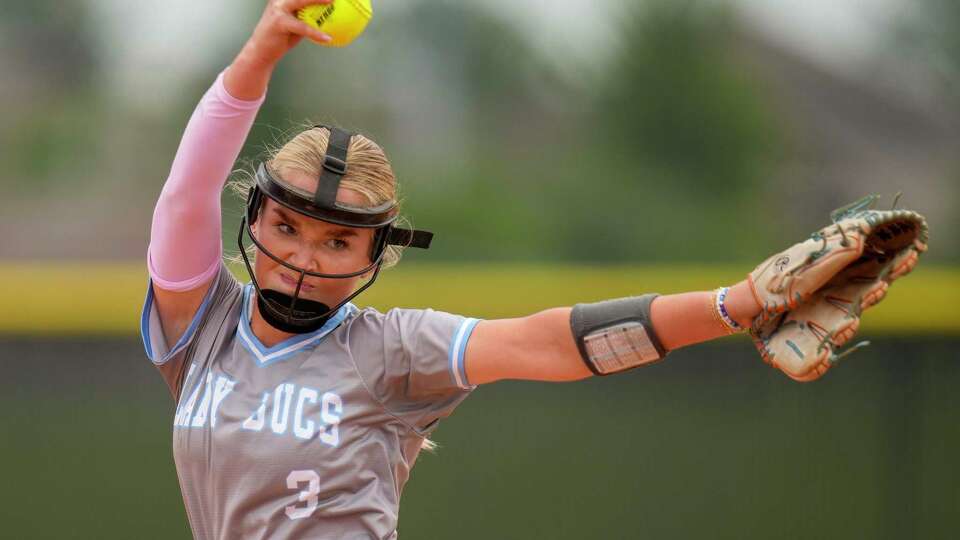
<point x="299" y="315"/>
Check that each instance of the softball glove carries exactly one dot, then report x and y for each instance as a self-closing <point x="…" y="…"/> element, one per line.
<point x="813" y="294"/>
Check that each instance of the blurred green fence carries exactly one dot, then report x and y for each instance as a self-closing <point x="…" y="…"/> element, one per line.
<point x="710" y="443"/>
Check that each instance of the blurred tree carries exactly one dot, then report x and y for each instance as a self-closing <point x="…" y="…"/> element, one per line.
<point x="681" y="143"/>
<point x="678" y="136"/>
<point x="480" y="120"/>
<point x="48" y="53"/>
<point x="499" y="73"/>
<point x="678" y="101"/>
<point x="461" y="72"/>
<point x="51" y="41"/>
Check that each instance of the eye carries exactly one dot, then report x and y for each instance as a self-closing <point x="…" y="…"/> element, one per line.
<point x="286" y="229"/>
<point x="338" y="244"/>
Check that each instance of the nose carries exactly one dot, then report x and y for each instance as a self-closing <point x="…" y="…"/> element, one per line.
<point x="305" y="257"/>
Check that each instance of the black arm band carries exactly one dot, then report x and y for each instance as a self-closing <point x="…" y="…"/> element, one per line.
<point x="616" y="335"/>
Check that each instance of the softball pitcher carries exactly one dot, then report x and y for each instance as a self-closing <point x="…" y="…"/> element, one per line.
<point x="300" y="415"/>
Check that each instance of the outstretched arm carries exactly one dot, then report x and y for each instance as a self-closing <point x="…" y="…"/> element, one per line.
<point x="541" y="346"/>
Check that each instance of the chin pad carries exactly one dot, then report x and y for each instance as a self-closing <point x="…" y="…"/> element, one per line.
<point x="307" y="315"/>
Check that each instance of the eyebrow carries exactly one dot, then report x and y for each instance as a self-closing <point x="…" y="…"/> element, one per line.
<point x="334" y="231"/>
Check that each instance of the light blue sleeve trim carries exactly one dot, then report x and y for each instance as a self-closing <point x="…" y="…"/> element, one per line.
<point x="187" y="334"/>
<point x="458" y="347"/>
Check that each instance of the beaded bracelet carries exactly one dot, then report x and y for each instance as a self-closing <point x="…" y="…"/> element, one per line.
<point x="716" y="313"/>
<point x="720" y="296"/>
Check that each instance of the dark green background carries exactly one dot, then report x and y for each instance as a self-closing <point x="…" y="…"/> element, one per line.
<point x="709" y="444"/>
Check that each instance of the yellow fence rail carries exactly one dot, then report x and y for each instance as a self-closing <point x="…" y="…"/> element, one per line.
<point x="106" y="298"/>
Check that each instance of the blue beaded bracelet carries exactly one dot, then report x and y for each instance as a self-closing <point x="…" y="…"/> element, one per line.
<point x="722" y="310"/>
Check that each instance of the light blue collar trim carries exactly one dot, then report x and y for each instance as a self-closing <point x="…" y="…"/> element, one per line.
<point x="264" y="355"/>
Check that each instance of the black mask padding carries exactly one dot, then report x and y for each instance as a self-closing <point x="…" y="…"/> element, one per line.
<point x="254" y="200"/>
<point x="307" y="315"/>
<point x="334" y="168"/>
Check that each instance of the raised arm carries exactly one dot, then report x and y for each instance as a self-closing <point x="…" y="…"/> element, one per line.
<point x="542" y="347"/>
<point x="185" y="235"/>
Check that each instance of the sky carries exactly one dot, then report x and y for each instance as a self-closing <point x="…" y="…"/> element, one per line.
<point x="175" y="41"/>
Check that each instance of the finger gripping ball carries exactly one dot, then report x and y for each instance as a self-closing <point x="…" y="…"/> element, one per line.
<point x="342" y="20"/>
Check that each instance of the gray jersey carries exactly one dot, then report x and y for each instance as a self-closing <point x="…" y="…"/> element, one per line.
<point x="313" y="437"/>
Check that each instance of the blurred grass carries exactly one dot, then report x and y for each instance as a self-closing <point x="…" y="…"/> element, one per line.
<point x="105" y="299"/>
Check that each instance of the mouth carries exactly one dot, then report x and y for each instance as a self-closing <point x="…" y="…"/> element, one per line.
<point x="292" y="282"/>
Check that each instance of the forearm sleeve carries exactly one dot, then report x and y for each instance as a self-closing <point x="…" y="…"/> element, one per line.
<point x="185" y="237"/>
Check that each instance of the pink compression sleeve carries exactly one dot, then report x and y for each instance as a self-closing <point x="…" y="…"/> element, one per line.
<point x="185" y="238"/>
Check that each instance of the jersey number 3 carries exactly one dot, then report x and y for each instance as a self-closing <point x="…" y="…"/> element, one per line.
<point x="309" y="496"/>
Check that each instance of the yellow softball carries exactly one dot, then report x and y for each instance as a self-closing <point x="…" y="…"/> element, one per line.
<point x="342" y="20"/>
